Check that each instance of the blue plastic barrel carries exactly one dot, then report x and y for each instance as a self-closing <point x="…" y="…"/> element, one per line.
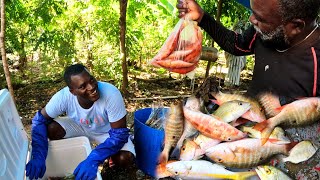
<point x="148" y="142"/>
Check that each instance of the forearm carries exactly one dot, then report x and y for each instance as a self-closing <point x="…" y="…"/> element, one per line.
<point x="39" y="136"/>
<point x="112" y="145"/>
<point x="236" y="44"/>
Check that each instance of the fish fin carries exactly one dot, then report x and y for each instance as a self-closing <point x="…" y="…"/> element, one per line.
<point x="291" y="145"/>
<point x="176" y="151"/>
<point x="274" y="141"/>
<point x="261" y="126"/>
<point x="286" y="159"/>
<point x="279" y="109"/>
<point x="163" y="158"/>
<point x="265" y="134"/>
<point x="215" y="101"/>
<point x="239" y="122"/>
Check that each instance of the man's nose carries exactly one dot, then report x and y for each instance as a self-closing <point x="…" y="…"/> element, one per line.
<point x="90" y="86"/>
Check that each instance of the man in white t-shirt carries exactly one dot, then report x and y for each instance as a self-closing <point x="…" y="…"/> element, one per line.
<point x="94" y="109"/>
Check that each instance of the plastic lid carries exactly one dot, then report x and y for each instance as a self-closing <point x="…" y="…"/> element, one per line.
<point x="13" y="140"/>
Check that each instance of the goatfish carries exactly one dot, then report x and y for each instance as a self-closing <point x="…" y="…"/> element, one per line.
<point x="231" y="110"/>
<point x="246" y="153"/>
<point x="173" y="130"/>
<point x="212" y="127"/>
<point x="270" y="102"/>
<point x="255" y="113"/>
<point x="300" y="112"/>
<point x="201" y="169"/>
<point x="301" y="152"/>
<point x="271" y="173"/>
<point x="277" y="136"/>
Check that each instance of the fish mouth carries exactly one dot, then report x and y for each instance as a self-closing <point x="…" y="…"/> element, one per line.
<point x="260" y="171"/>
<point x="170" y="169"/>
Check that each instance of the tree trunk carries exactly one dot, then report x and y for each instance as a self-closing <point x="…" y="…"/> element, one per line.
<point x="218" y="20"/>
<point x="3" y="50"/>
<point x="123" y="57"/>
<point x="22" y="57"/>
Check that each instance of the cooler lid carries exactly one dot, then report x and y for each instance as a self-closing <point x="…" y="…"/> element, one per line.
<point x="13" y="140"/>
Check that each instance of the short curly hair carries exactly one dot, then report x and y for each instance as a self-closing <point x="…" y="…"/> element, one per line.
<point x="73" y="70"/>
<point x="299" y="9"/>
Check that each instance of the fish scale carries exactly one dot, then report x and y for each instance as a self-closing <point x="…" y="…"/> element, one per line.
<point x="173" y="130"/>
<point x="300" y="112"/>
<point x="211" y="126"/>
<point x="255" y="113"/>
<point x="245" y="153"/>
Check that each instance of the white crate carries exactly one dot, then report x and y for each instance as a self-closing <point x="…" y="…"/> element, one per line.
<point x="63" y="155"/>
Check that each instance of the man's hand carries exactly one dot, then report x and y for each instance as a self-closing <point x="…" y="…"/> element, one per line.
<point x="36" y="168"/>
<point x="190" y="9"/>
<point x="86" y="170"/>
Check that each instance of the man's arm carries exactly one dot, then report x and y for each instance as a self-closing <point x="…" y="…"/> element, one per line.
<point x="36" y="167"/>
<point x="44" y="113"/>
<point x="230" y="41"/>
<point x="122" y="123"/>
<point x="119" y="135"/>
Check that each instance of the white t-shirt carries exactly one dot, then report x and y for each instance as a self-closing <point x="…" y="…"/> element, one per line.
<point x="108" y="108"/>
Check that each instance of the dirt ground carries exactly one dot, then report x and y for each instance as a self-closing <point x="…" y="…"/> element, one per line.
<point x="143" y="93"/>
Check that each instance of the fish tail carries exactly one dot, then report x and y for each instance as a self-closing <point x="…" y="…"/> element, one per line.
<point x="291" y="145"/>
<point x="176" y="151"/>
<point x="265" y="134"/>
<point x="261" y="126"/>
<point x="163" y="158"/>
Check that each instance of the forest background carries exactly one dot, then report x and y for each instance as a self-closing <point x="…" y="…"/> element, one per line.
<point x="114" y="38"/>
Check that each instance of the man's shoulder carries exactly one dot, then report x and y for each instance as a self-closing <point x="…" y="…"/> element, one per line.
<point x="105" y="86"/>
<point x="64" y="92"/>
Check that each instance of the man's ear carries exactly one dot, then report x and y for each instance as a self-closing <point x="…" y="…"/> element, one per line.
<point x="295" y="27"/>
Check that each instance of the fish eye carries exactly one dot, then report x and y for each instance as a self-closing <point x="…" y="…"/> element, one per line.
<point x="173" y="137"/>
<point x="220" y="160"/>
<point x="229" y="139"/>
<point x="240" y="103"/>
<point x="268" y="171"/>
<point x="183" y="148"/>
<point x="176" y="173"/>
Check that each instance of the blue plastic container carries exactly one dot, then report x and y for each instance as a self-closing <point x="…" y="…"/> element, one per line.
<point x="148" y="142"/>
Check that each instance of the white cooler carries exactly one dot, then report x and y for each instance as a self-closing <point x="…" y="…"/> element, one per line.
<point x="63" y="155"/>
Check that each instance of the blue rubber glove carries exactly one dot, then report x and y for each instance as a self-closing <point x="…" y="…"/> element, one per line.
<point x="87" y="169"/>
<point x="36" y="167"/>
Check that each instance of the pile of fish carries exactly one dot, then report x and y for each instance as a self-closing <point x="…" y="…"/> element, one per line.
<point x="242" y="133"/>
<point x="181" y="51"/>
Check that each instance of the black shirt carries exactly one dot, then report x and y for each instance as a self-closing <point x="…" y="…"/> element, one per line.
<point x="293" y="73"/>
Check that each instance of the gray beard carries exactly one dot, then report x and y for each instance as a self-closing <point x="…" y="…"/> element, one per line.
<point x="276" y="38"/>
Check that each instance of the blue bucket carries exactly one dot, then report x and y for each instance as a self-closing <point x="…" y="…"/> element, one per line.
<point x="148" y="142"/>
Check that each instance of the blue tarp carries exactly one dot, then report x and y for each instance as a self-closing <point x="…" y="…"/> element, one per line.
<point x="245" y="3"/>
